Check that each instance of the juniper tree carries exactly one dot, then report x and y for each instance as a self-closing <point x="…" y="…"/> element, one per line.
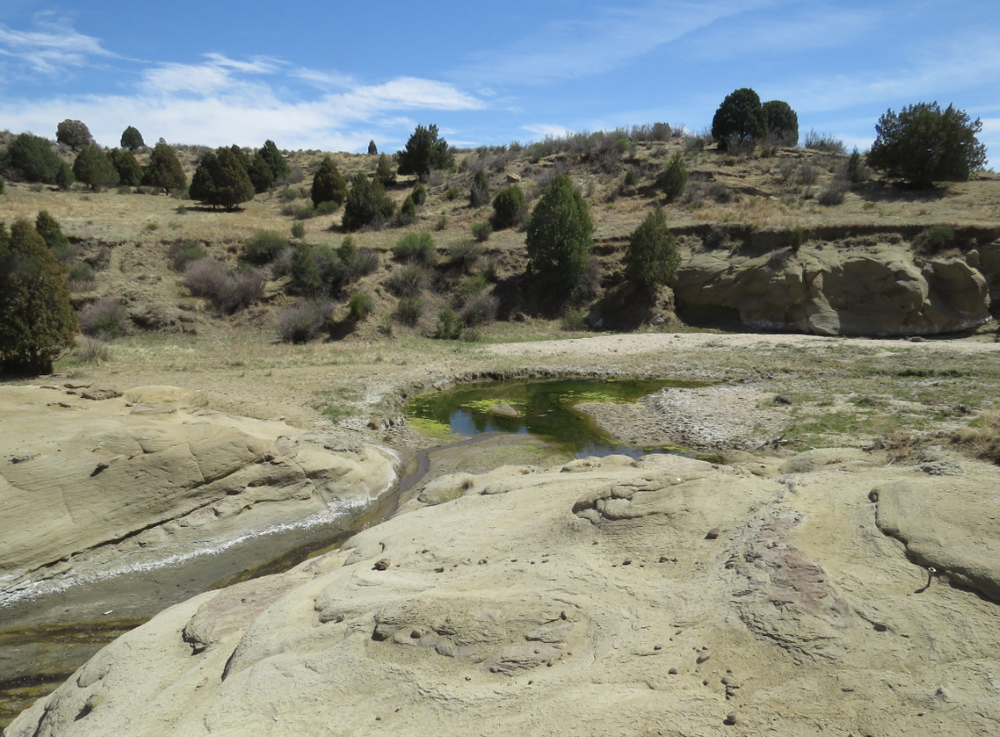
<point x="275" y="161"/>
<point x="94" y="168"/>
<point x="740" y="117"/>
<point x="558" y="235"/>
<point x="73" y="133"/>
<point x="132" y="139"/>
<point x="164" y="169"/>
<point x="329" y="184"/>
<point x="128" y="167"/>
<point x="425" y="151"/>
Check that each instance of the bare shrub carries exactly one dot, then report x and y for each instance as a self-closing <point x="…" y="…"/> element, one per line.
<point x="106" y="318"/>
<point x="409" y="310"/>
<point x="786" y="170"/>
<point x="303" y="321"/>
<point x="406" y="280"/>
<point x="205" y="277"/>
<point x="81" y="277"/>
<point x="808" y="174"/>
<point x="719" y="192"/>
<point x="834" y="193"/>
<point x="89" y="350"/>
<point x="465" y="254"/>
<point x="480" y="310"/>
<point x="227" y="291"/>
<point x="824" y="142"/>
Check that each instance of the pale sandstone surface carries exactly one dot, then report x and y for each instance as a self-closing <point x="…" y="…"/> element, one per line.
<point x="611" y="596"/>
<point x="134" y="470"/>
<point x="879" y="290"/>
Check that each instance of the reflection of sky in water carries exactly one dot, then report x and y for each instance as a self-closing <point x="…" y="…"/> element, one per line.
<point x="463" y="422"/>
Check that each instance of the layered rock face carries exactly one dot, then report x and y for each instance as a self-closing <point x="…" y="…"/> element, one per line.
<point x="663" y="596"/>
<point x="98" y="476"/>
<point x="878" y="290"/>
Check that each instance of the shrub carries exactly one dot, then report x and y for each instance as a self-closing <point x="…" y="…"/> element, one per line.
<point x="407" y="211"/>
<point x="328" y="184"/>
<point x="181" y="253"/>
<point x="127" y="166"/>
<point x="651" y="258"/>
<point x="51" y="232"/>
<point x="366" y="203"/>
<point x="937" y="238"/>
<point x="325" y="208"/>
<point x="440" y="224"/>
<point x="64" y="176"/>
<point x="558" y="235"/>
<point x="574" y="319"/>
<point x="74" y="134"/>
<point x="782" y="122"/>
<point x="301" y="322"/>
<point x="415" y="248"/>
<point x="470" y="287"/>
<point x="360" y="306"/>
<point x="923" y="144"/>
<point x="33" y="158"/>
<point x="409" y="310"/>
<point x="80" y="277"/>
<point x="406" y="281"/>
<point x="482" y="231"/>
<point x="673" y="179"/>
<point x="808" y="174"/>
<point x="298" y="230"/>
<point x="480" y="310"/>
<point x="824" y="142"/>
<point x="132" y="139"/>
<point x="94" y="168"/>
<point x="38" y="322"/>
<point x="89" y="350"/>
<point x="263" y="247"/>
<point x="833" y="194"/>
<point x="466" y="254"/>
<point x="419" y="194"/>
<point x="509" y="207"/>
<point x="451" y="193"/>
<point x="384" y="172"/>
<point x="227" y="291"/>
<point x="221" y="180"/>
<point x="164" y="169"/>
<point x="630" y="177"/>
<point x="479" y="192"/>
<point x="105" y="318"/>
<point x="740" y="117"/>
<point x="317" y="270"/>
<point x="855" y="170"/>
<point x="449" y="327"/>
<point x="365" y="262"/>
<point x="425" y="151"/>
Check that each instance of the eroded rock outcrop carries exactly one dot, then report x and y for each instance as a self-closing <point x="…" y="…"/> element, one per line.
<point x="608" y="596"/>
<point x="877" y="290"/>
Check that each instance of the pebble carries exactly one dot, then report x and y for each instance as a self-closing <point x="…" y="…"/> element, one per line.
<point x="672" y="671"/>
<point x="703" y="656"/>
<point x="381" y="565"/>
<point x="730" y="718"/>
<point x="713" y="533"/>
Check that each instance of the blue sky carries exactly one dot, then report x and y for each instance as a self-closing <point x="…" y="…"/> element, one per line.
<point x="333" y="75"/>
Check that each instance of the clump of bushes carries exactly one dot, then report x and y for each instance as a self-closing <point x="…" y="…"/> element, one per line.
<point x="673" y="179"/>
<point x="105" y="318"/>
<point x="407" y="280"/>
<point x="301" y="322"/>
<point x="509" y="207"/>
<point x="360" y="306"/>
<point x="480" y="309"/>
<point x="317" y="270"/>
<point x="937" y="238"/>
<point x="227" y="290"/>
<point x="824" y="142"/>
<point x="448" y="326"/>
<point x="417" y="248"/>
<point x="263" y="247"/>
<point x="465" y="254"/>
<point x="80" y="277"/>
<point x="479" y="192"/>
<point x="833" y="194"/>
<point x="409" y="310"/>
<point x="482" y="231"/>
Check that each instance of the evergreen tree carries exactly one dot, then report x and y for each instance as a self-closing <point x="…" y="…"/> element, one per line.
<point x="260" y="174"/>
<point x="366" y="203"/>
<point x="740" y="117"/>
<point x="782" y="122"/>
<point x="38" y="320"/>
<point x="50" y="230"/>
<point x="221" y="181"/>
<point x="651" y="258"/>
<point x="275" y="161"/>
<point x="132" y="139"/>
<point x="74" y="134"/>
<point x="425" y="151"/>
<point x="94" y="168"/>
<point x="164" y="169"/>
<point x="329" y="184"/>
<point x="419" y="193"/>
<point x="673" y="179"/>
<point x="241" y="156"/>
<point x="558" y="235"/>
<point x="923" y="144"/>
<point x="128" y="167"/>
<point x="33" y="158"/>
<point x="509" y="207"/>
<point x="384" y="172"/>
<point x="372" y="148"/>
<point x="64" y="176"/>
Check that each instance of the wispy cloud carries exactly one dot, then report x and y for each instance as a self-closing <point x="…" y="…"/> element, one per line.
<point x="51" y="48"/>
<point x="571" y="49"/>
<point x="543" y="130"/>
<point x="217" y="73"/>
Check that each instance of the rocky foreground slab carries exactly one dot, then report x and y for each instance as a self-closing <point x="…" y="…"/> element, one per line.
<point x="663" y="596"/>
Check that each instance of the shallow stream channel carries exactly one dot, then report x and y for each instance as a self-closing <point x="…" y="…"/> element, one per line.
<point x="478" y="427"/>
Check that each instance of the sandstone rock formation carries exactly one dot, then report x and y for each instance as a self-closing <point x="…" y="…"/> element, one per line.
<point x="663" y="596"/>
<point x="878" y="290"/>
<point x="101" y="474"/>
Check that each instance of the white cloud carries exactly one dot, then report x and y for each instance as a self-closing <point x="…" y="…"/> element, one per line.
<point x="51" y="48"/>
<point x="543" y="130"/>
<point x="572" y="49"/>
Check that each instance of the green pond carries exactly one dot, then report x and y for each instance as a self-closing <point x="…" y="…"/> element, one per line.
<point x="544" y="408"/>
